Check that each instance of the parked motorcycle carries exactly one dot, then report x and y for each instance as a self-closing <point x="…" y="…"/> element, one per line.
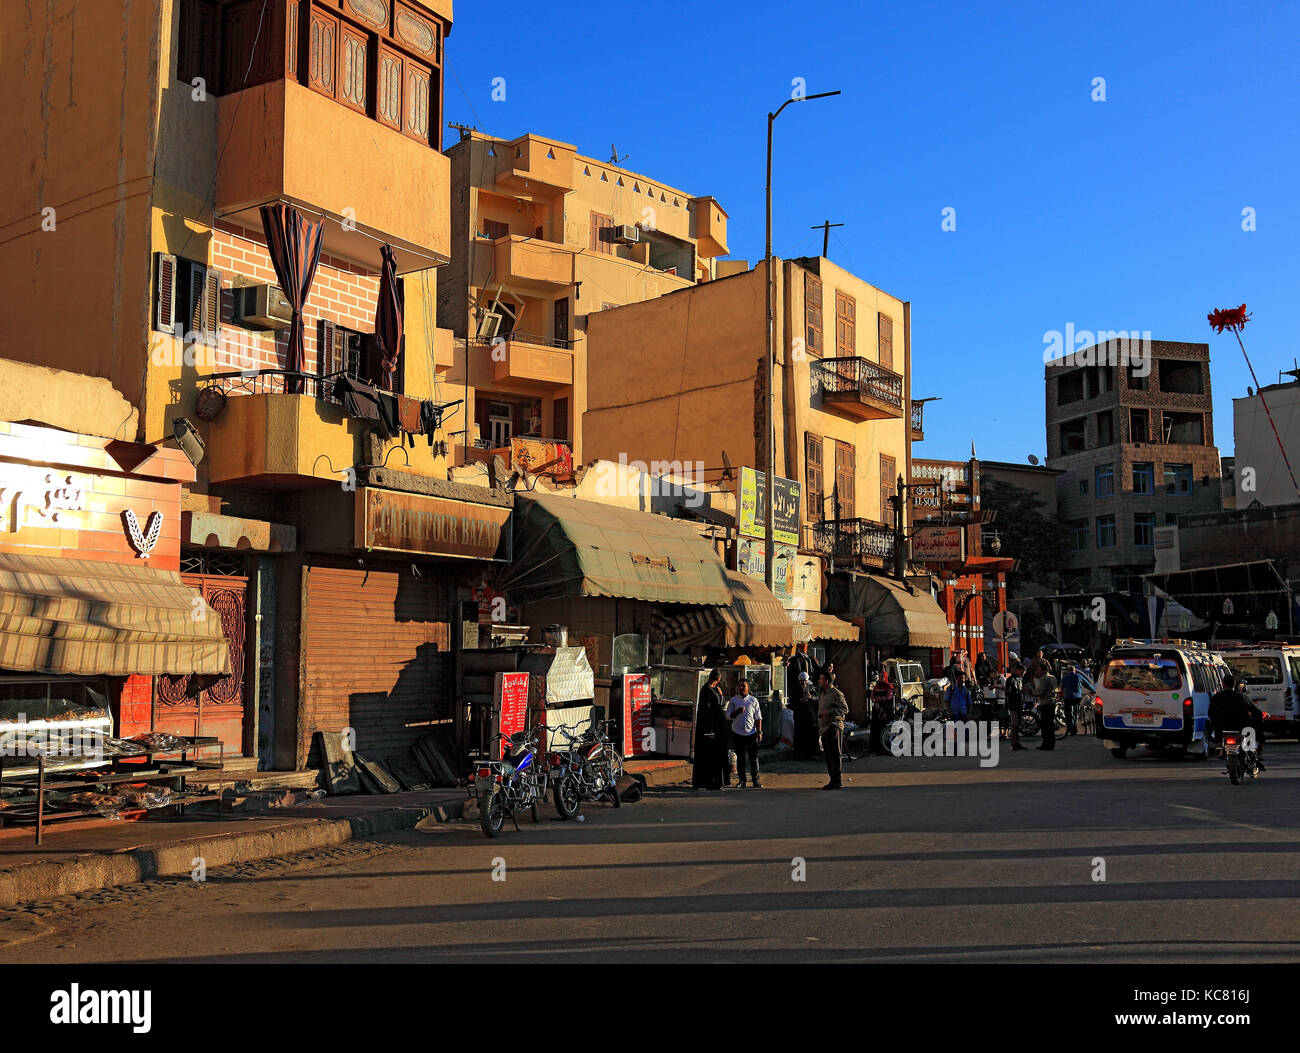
<point x="586" y="770"/>
<point x="1241" y="762"/>
<point x="511" y="784"/>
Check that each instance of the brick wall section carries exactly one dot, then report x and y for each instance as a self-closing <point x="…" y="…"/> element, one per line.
<point x="1074" y="507"/>
<point x="342" y="292"/>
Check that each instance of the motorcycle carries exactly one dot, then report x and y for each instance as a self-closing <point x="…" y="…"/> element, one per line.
<point x="587" y="770"/>
<point x="1241" y="761"/>
<point x="511" y="784"/>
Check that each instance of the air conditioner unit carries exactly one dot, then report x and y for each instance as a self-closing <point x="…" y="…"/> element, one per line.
<point x="627" y="234"/>
<point x="262" y="307"/>
<point x="489" y="325"/>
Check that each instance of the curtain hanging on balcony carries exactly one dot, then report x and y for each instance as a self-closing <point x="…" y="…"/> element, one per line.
<point x="293" y="243"/>
<point x="389" y="314"/>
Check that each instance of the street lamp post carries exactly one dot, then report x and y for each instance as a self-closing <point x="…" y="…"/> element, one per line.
<point x="769" y="522"/>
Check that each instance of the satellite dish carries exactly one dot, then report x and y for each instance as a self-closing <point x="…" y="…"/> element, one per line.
<point x="1033" y="458"/>
<point x="1250" y="392"/>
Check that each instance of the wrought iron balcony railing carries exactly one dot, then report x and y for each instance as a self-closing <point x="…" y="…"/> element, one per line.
<point x="918" y="419"/>
<point x="535" y="339"/>
<point x="863" y="389"/>
<point x="851" y="541"/>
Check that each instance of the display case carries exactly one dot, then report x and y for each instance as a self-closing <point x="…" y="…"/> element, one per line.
<point x="675" y="692"/>
<point x="65" y="718"/>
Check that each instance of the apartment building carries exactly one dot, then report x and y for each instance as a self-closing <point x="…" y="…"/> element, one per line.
<point x="542" y="239"/>
<point x="158" y="134"/>
<point x="1134" y="437"/>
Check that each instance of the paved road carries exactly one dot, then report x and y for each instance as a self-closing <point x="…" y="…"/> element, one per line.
<point x="915" y="860"/>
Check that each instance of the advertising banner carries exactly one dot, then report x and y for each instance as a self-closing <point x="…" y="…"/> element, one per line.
<point x="636" y="714"/>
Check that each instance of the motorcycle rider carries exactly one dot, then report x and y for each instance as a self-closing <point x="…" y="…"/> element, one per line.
<point x="1230" y="710"/>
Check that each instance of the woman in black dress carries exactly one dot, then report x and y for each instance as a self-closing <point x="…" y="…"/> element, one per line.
<point x="710" y="737"/>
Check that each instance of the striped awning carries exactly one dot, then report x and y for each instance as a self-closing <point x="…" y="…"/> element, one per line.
<point x="566" y="547"/>
<point x="813" y="625"/>
<point x="83" y="617"/>
<point x="755" y="618"/>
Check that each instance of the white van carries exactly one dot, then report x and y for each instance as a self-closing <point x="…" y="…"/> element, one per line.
<point x="1157" y="693"/>
<point x="1268" y="674"/>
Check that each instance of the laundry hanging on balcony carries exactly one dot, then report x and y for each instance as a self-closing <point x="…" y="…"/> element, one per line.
<point x="390" y="312"/>
<point x="293" y="243"/>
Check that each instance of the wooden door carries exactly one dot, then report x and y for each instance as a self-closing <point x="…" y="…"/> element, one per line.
<point x="220" y="709"/>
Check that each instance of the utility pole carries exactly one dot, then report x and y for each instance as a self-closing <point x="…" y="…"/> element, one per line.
<point x="825" y="228"/>
<point x="769" y="417"/>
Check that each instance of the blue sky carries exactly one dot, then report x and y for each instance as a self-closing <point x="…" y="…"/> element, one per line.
<point x="1122" y="214"/>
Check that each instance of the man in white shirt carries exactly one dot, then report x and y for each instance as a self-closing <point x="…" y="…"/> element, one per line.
<point x="746" y="731"/>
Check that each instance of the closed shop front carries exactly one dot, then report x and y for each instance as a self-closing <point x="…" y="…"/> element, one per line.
<point x="376" y="652"/>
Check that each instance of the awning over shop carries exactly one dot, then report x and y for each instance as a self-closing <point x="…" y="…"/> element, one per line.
<point x="897" y="614"/>
<point x="755" y="618"/>
<point x="567" y="547"/>
<point x="817" y="626"/>
<point x="83" y="617"/>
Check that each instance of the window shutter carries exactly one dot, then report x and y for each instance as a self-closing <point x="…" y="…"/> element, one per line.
<point x="165" y="293"/>
<point x="845" y="325"/>
<point x="813" y="313"/>
<point x="194" y="320"/>
<point x="212" y="303"/>
<point x="886" y="327"/>
<point x="813" y="468"/>
<point x="328" y="348"/>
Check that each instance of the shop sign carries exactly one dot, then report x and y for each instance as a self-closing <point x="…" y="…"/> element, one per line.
<point x="753" y="507"/>
<point x="400" y="522"/>
<point x="939" y="544"/>
<point x="511" y="690"/>
<point x="751" y="560"/>
<point x="33" y="497"/>
<point x="636" y="714"/>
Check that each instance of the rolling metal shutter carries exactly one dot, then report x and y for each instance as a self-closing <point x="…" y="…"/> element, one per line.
<point x="377" y="654"/>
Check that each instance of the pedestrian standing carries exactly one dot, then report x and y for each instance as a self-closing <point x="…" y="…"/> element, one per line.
<point x="710" y="769"/>
<point x="803" y="700"/>
<point x="882" y="709"/>
<point x="1072" y="694"/>
<point x="746" y="731"/>
<point x="959" y="698"/>
<point x="832" y="708"/>
<point x="1015" y="694"/>
<point x="1046" y="690"/>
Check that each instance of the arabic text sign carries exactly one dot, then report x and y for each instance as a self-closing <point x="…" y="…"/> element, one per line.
<point x="753" y="506"/>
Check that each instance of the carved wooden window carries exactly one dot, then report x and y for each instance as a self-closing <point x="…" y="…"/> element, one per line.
<point x="418" y="97"/>
<point x="418" y="33"/>
<point x="322" y="52"/>
<point x="352" y="69"/>
<point x="886" y="325"/>
<point x="373" y="13"/>
<point x="388" y="101"/>
<point x="292" y="37"/>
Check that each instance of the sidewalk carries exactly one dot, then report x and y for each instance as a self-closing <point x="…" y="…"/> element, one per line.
<point x="79" y="855"/>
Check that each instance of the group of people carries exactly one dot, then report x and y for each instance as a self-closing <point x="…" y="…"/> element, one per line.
<point x="736" y="725"/>
<point x="1016" y="691"/>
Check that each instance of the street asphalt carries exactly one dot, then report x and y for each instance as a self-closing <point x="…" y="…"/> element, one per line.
<point x="915" y="859"/>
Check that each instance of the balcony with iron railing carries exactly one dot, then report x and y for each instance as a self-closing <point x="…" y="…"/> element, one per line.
<point x="918" y="421"/>
<point x="858" y="389"/>
<point x="851" y="542"/>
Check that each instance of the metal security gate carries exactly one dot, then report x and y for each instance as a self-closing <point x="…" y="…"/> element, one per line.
<point x="376" y="654"/>
<point x="219" y="709"/>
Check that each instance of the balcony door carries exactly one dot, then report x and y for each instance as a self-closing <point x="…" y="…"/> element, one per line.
<point x="500" y="424"/>
<point x="846" y="470"/>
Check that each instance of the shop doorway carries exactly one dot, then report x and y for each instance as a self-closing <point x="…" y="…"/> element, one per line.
<point x="219" y="709"/>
